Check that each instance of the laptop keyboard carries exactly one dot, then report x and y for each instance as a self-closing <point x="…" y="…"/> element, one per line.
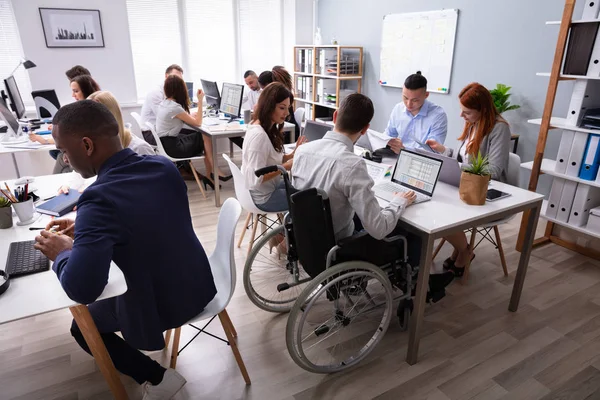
<point x="386" y="191"/>
<point x="23" y="259"/>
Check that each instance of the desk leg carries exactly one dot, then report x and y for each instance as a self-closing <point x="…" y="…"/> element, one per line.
<point x="14" y="158"/>
<point x="213" y="139"/>
<point x="94" y="341"/>
<point x="230" y="149"/>
<point x="532" y="222"/>
<point x="416" y="319"/>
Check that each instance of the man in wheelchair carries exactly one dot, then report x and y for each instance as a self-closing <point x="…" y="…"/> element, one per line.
<point x="330" y="165"/>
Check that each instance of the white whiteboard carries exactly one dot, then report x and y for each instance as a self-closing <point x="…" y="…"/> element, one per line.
<point x="422" y="41"/>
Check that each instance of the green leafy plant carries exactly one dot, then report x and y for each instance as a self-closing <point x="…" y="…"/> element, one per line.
<point x="4" y="202"/>
<point x="479" y="166"/>
<point x="500" y="95"/>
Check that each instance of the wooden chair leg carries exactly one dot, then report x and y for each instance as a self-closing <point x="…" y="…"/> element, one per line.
<point x="175" y="348"/>
<point x="438" y="248"/>
<point x="468" y="265"/>
<point x="500" y="250"/>
<point x="228" y="320"/>
<point x="197" y="179"/>
<point x="234" y="348"/>
<point x="168" y="338"/>
<point x="244" y="230"/>
<point x="253" y="234"/>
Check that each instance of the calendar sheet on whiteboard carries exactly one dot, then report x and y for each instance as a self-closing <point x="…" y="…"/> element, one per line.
<point x="422" y="41"/>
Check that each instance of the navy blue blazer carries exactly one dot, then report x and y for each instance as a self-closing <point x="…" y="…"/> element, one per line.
<point x="137" y="214"/>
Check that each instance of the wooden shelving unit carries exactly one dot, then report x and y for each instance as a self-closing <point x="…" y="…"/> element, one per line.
<point x="324" y="75"/>
<point x="541" y="165"/>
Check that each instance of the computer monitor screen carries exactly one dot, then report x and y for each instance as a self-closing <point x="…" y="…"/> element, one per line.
<point x="15" y="96"/>
<point x="417" y="171"/>
<point x="211" y="93"/>
<point x="8" y="117"/>
<point x="231" y="99"/>
<point x="190" y="89"/>
<point x="46" y="102"/>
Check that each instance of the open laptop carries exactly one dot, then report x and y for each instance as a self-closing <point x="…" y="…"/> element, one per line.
<point x="451" y="171"/>
<point x="413" y="171"/>
<point x="313" y="131"/>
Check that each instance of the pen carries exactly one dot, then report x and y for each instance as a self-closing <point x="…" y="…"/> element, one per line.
<point x="26" y="191"/>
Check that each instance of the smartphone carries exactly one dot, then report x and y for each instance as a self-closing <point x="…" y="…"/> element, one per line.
<point x="426" y="146"/>
<point x="493" y="195"/>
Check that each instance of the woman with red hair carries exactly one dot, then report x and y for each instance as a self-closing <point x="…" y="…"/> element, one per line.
<point x="485" y="132"/>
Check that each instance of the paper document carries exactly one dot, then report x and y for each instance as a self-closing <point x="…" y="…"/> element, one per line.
<point x="378" y="140"/>
<point x="377" y="171"/>
<point x="27" y="145"/>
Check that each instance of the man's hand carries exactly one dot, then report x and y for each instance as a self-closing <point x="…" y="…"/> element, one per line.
<point x="436" y="146"/>
<point x="409" y="196"/>
<point x="63" y="226"/>
<point x="396" y="145"/>
<point x="51" y="244"/>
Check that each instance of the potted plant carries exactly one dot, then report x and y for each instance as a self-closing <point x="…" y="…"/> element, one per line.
<point x="474" y="181"/>
<point x="500" y="95"/>
<point x="6" y="220"/>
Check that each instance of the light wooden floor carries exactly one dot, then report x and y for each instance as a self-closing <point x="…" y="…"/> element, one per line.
<point x="473" y="347"/>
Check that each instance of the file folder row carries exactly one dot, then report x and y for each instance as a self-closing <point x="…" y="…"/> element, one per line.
<point x="570" y="202"/>
<point x="579" y="155"/>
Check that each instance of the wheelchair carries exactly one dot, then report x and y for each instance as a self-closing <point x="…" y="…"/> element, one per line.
<point x="339" y="296"/>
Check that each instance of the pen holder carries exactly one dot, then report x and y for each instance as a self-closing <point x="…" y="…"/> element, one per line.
<point x="6" y="220"/>
<point x="25" y="211"/>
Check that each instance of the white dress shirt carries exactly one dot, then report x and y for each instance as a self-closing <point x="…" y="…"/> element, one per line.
<point x="258" y="152"/>
<point x="149" y="109"/>
<point x="330" y="164"/>
<point x="250" y="98"/>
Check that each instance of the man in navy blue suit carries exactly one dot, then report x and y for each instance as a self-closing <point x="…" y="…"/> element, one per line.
<point x="137" y="215"/>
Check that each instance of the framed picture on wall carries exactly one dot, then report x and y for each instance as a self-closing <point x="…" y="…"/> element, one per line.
<point x="67" y="27"/>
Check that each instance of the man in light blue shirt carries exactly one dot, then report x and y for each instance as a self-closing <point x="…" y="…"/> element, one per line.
<point x="416" y="119"/>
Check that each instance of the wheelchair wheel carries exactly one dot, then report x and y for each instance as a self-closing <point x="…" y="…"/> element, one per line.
<point x="405" y="308"/>
<point x="340" y="317"/>
<point x="266" y="272"/>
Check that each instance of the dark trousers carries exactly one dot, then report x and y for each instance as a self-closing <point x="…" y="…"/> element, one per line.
<point x="127" y="359"/>
<point x="238" y="141"/>
<point x="149" y="138"/>
<point x="188" y="143"/>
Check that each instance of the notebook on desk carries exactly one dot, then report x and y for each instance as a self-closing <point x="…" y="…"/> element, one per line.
<point x="60" y="205"/>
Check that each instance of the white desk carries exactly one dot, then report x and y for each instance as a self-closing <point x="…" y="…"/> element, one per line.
<point x="232" y="131"/>
<point x="12" y="150"/>
<point x="446" y="214"/>
<point x="41" y="293"/>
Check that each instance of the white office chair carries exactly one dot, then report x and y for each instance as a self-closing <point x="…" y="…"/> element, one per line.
<point x="513" y="175"/>
<point x="160" y="150"/>
<point x="138" y="120"/>
<point x="255" y="215"/>
<point x="299" y="116"/>
<point x="222" y="265"/>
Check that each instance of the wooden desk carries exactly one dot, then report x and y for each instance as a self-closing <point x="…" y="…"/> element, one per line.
<point x="42" y="293"/>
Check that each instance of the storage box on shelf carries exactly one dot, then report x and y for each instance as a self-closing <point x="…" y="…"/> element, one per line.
<point x="576" y="184"/>
<point x="324" y="76"/>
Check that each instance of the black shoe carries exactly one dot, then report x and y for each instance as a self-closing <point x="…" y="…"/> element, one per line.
<point x="208" y="182"/>
<point x="448" y="263"/>
<point x="221" y="178"/>
<point x="439" y="282"/>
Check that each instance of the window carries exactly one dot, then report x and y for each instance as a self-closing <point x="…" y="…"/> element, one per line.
<point x="155" y="32"/>
<point x="215" y="40"/>
<point x="261" y="34"/>
<point x="12" y="52"/>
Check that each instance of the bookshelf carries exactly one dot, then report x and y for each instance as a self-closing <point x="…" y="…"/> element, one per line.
<point x="576" y="59"/>
<point x="324" y="76"/>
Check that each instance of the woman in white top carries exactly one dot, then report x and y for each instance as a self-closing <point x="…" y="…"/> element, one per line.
<point x="171" y="115"/>
<point x="128" y="140"/>
<point x="485" y="132"/>
<point x="263" y="146"/>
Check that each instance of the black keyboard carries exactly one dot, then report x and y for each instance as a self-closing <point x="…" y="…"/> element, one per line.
<point x="23" y="259"/>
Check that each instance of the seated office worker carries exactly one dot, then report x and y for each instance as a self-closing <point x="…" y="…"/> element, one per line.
<point x="252" y="92"/>
<point x="330" y="164"/>
<point x="263" y="146"/>
<point x="178" y="141"/>
<point x="76" y="71"/>
<point x="169" y="280"/>
<point x="416" y="119"/>
<point x="487" y="132"/>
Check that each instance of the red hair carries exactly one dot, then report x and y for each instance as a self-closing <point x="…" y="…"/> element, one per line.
<point x="477" y="97"/>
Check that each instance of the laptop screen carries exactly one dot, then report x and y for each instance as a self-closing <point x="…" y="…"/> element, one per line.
<point x="417" y="172"/>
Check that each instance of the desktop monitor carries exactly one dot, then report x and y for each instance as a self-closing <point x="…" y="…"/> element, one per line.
<point x="15" y="96"/>
<point x="231" y="99"/>
<point x="9" y="118"/>
<point x="46" y="103"/>
<point x="211" y="93"/>
<point x="190" y="89"/>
